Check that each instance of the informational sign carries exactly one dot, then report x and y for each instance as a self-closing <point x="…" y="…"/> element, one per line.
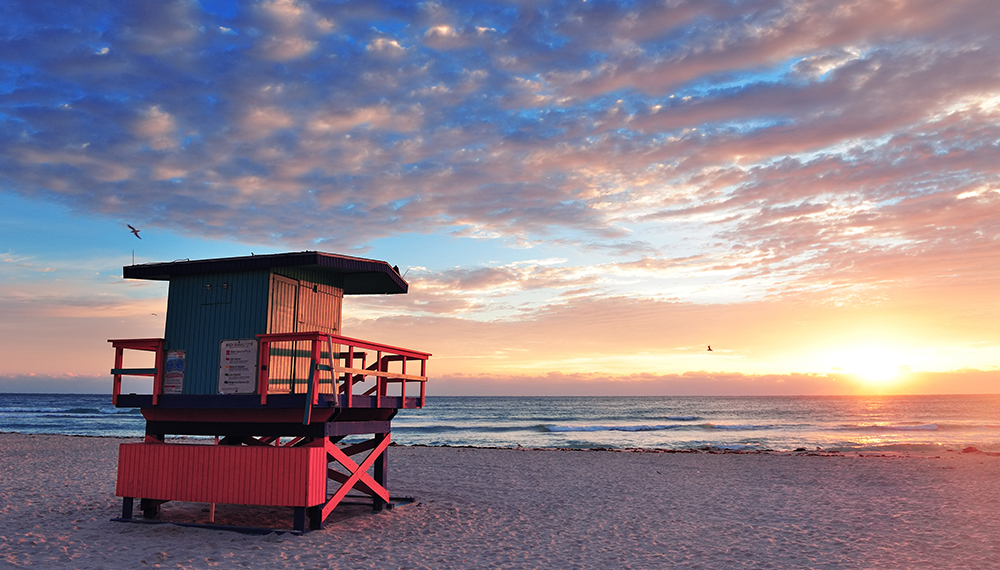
<point x="238" y="367"/>
<point x="173" y="372"/>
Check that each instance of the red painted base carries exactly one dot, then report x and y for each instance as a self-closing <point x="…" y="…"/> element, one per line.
<point x="259" y="475"/>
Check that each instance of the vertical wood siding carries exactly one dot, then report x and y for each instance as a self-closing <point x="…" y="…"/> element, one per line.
<point x="204" y="310"/>
<point x="265" y="475"/>
<point x="298" y="304"/>
<point x="283" y="308"/>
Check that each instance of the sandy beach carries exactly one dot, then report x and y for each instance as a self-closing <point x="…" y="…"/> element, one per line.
<point x="500" y="508"/>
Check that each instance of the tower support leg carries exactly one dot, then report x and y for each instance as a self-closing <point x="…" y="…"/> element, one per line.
<point x="150" y="508"/>
<point x="381" y="472"/>
<point x="315" y="517"/>
<point x="127" y="506"/>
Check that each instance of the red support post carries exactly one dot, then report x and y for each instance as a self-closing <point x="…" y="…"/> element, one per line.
<point x="117" y="387"/>
<point x="349" y="377"/>
<point x="423" y="384"/>
<point x="402" y="385"/>
<point x="158" y="378"/>
<point x="379" y="379"/>
<point x="316" y="352"/>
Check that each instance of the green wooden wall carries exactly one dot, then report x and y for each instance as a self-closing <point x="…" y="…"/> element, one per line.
<point x="204" y="310"/>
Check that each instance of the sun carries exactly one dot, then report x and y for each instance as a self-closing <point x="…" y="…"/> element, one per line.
<point x="876" y="367"/>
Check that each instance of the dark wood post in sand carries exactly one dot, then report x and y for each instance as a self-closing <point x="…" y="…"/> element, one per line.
<point x="253" y="354"/>
<point x="381" y="471"/>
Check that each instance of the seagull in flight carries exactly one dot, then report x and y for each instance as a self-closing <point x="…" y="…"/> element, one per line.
<point x="710" y="348"/>
<point x="134" y="231"/>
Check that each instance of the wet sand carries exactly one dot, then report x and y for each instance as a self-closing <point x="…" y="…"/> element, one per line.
<point x="506" y="508"/>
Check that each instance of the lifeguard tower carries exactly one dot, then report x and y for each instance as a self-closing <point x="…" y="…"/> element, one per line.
<point x="253" y="354"/>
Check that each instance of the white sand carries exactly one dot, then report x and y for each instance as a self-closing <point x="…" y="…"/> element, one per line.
<point x="534" y="509"/>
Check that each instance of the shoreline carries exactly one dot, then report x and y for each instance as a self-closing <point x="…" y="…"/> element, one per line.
<point x="528" y="508"/>
<point x="711" y="450"/>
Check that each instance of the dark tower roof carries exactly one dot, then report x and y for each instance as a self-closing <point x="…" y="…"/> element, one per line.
<point x="361" y="276"/>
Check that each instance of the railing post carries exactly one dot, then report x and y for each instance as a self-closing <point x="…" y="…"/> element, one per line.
<point x="379" y="379"/>
<point x="364" y="366"/>
<point x="333" y="367"/>
<point x="423" y="383"/>
<point x="402" y="386"/>
<point x="314" y="388"/>
<point x="117" y="385"/>
<point x="158" y="377"/>
<point x="349" y="377"/>
<point x="313" y="372"/>
<point x="263" y="372"/>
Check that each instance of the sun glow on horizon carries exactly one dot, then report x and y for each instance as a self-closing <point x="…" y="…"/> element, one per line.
<point x="874" y="367"/>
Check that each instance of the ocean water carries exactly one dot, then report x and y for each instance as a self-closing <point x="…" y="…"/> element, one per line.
<point x="68" y="414"/>
<point x="834" y="423"/>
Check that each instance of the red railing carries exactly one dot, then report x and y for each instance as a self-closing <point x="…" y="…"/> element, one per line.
<point x="341" y="354"/>
<point x="330" y="371"/>
<point x="154" y="345"/>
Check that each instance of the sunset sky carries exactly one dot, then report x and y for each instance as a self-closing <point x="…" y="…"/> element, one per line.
<point x="583" y="195"/>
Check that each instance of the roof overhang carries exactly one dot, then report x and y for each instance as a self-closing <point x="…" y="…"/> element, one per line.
<point x="361" y="276"/>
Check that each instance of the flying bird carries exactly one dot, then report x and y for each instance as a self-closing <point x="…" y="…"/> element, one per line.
<point x="134" y="231"/>
<point x="710" y="348"/>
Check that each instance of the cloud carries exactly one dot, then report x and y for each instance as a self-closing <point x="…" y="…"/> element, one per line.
<point x="57" y="322"/>
<point x="290" y="30"/>
<point x="789" y="146"/>
<point x="592" y="332"/>
<point x="158" y="128"/>
<point x="386" y="47"/>
<point x="56" y="384"/>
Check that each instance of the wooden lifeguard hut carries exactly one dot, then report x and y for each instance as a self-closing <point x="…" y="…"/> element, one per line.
<point x="253" y="354"/>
